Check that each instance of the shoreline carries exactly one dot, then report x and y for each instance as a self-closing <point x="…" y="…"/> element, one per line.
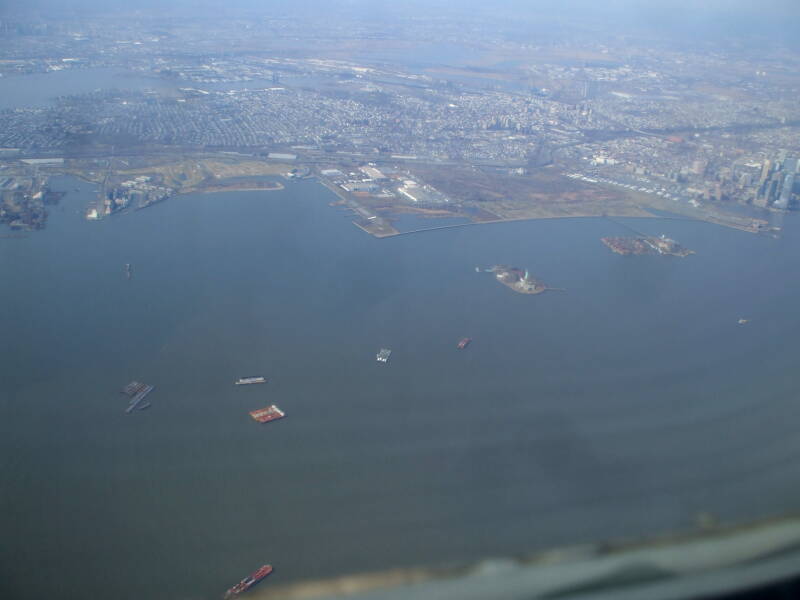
<point x="277" y="186"/>
<point x="554" y="217"/>
<point x="379" y="226"/>
<point x="744" y="542"/>
<point x="350" y="202"/>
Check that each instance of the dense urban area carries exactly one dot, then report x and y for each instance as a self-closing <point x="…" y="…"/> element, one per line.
<point x="462" y="119"/>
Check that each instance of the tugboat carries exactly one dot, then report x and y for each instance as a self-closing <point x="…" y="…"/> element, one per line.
<point x="248" y="582"/>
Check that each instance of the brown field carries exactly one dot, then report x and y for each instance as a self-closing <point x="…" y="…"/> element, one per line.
<point x="545" y="194"/>
<point x="188" y="174"/>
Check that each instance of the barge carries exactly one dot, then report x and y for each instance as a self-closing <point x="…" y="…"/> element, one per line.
<point x="248" y="582"/>
<point x="136" y="391"/>
<point x="250" y="380"/>
<point x="265" y="415"/>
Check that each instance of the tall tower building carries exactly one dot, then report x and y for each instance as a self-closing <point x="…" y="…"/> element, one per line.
<point x="765" y="169"/>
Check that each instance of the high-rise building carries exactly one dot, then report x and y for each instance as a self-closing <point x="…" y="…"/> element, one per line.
<point x="765" y="169"/>
<point x="785" y="195"/>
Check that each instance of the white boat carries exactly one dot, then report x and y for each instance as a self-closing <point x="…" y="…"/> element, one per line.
<point x="249" y="380"/>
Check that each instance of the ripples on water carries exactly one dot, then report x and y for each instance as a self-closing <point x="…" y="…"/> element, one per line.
<point x="623" y="407"/>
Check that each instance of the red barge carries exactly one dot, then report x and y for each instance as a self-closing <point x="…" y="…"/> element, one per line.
<point x="265" y="415"/>
<point x="248" y="582"/>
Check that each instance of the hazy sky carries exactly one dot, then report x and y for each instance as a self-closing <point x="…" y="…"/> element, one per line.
<point x="779" y="19"/>
<point x="686" y="7"/>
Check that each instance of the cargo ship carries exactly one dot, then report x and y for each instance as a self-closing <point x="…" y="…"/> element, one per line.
<point x="265" y="415"/>
<point x="250" y="380"/>
<point x="463" y="343"/>
<point x="383" y="355"/>
<point x="248" y="582"/>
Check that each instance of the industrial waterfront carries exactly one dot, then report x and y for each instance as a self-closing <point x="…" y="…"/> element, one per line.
<point x="624" y="408"/>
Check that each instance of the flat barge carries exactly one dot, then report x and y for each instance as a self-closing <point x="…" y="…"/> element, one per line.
<point x="137" y="392"/>
<point x="265" y="415"/>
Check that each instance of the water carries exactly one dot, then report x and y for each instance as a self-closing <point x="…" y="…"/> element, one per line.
<point x="621" y="407"/>
<point x="41" y="89"/>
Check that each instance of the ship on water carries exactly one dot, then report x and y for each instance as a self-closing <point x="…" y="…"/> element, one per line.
<point x="383" y="355"/>
<point x="265" y="415"/>
<point x="250" y="380"/>
<point x="128" y="270"/>
<point x="464" y="342"/>
<point x="248" y="582"/>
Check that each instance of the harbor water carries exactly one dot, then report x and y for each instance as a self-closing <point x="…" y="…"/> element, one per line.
<point x="622" y="407"/>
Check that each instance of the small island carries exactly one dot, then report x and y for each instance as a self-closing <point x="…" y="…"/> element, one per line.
<point x="518" y="280"/>
<point x="646" y="245"/>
